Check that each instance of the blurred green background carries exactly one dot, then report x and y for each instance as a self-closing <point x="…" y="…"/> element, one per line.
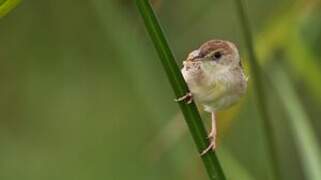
<point x="83" y="94"/>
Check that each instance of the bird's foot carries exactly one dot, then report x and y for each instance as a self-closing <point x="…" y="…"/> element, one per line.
<point x="188" y="97"/>
<point x="210" y="135"/>
<point x="212" y="145"/>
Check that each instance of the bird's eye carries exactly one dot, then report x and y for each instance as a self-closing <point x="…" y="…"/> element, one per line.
<point x="217" y="55"/>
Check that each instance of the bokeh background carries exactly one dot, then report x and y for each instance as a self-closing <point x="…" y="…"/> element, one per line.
<point x="83" y="94"/>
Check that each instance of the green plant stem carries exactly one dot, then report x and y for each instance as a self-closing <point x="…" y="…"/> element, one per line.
<point x="180" y="88"/>
<point x="259" y="88"/>
<point x="305" y="138"/>
<point x="7" y="6"/>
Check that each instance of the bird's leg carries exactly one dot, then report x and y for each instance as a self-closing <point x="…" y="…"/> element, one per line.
<point x="187" y="97"/>
<point x="211" y="136"/>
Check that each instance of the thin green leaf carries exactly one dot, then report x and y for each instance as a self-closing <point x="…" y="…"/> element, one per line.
<point x="256" y="75"/>
<point x="179" y="86"/>
<point x="303" y="133"/>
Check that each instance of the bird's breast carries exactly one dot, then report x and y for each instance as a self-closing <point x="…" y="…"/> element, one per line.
<point x="214" y="89"/>
<point x="203" y="84"/>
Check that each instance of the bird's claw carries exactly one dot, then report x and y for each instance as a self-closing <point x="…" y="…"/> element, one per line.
<point x="212" y="145"/>
<point x="210" y="136"/>
<point x="188" y="97"/>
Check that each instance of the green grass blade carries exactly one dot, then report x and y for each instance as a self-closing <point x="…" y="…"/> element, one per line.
<point x="256" y="75"/>
<point x="179" y="86"/>
<point x="305" y="139"/>
<point x="7" y="6"/>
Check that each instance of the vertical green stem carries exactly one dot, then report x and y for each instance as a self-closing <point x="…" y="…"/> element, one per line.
<point x="179" y="86"/>
<point x="259" y="88"/>
<point x="305" y="138"/>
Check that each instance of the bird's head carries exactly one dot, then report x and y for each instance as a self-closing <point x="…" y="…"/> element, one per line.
<point x="215" y="54"/>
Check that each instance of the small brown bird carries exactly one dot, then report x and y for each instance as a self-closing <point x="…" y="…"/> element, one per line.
<point x="214" y="75"/>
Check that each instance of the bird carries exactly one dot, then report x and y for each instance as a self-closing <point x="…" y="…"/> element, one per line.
<point x="215" y="78"/>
